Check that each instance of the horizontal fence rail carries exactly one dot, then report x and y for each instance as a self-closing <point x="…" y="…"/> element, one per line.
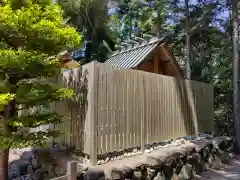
<point x="124" y="108"/>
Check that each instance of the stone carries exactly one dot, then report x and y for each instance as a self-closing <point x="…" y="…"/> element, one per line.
<point x="151" y="173"/>
<point x="35" y="164"/>
<point x="39" y="174"/>
<point x="221" y="143"/>
<point x="82" y="167"/>
<point x="144" y="172"/>
<point x="137" y="175"/>
<point x="27" y="155"/>
<point x="214" y="162"/>
<point x="25" y="177"/>
<point x="80" y="176"/>
<point x="186" y="172"/>
<point x="94" y="174"/>
<point x="128" y="171"/>
<point x="115" y="174"/>
<point x="196" y="162"/>
<point x="154" y="159"/>
<point x="160" y="176"/>
<point x="18" y="167"/>
<point x="30" y="169"/>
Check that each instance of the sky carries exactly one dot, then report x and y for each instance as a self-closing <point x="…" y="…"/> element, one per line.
<point x="223" y="14"/>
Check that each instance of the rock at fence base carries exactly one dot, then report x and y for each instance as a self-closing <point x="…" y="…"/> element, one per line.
<point x="27" y="155"/>
<point x="80" y="176"/>
<point x="30" y="169"/>
<point x="115" y="174"/>
<point x="137" y="175"/>
<point x="128" y="171"/>
<point x="14" y="171"/>
<point x="151" y="173"/>
<point x="160" y="176"/>
<point x="214" y="162"/>
<point x="35" y="164"/>
<point x="196" y="162"/>
<point x="25" y="177"/>
<point x="144" y="171"/>
<point x="154" y="160"/>
<point x="39" y="174"/>
<point x="186" y="172"/>
<point x="18" y="168"/>
<point x="221" y="142"/>
<point x="82" y="167"/>
<point x="94" y="174"/>
<point x="223" y="156"/>
<point x="175" y="177"/>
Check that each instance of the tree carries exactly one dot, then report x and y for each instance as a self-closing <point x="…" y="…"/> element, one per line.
<point x="236" y="74"/>
<point x="188" y="41"/>
<point x="91" y="18"/>
<point x="32" y="34"/>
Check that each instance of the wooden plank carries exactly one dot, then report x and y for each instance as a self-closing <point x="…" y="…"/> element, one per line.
<point x="142" y="114"/>
<point x="127" y="112"/>
<point x="93" y="118"/>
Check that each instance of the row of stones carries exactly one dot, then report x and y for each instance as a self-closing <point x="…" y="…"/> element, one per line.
<point x="178" y="165"/>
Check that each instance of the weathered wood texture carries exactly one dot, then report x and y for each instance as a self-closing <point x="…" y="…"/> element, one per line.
<point x="116" y="108"/>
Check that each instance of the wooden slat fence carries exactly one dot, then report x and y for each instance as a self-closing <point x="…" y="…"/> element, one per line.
<point x="128" y="108"/>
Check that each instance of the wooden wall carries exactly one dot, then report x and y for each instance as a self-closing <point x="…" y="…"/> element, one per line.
<point x="161" y="63"/>
<point x="127" y="108"/>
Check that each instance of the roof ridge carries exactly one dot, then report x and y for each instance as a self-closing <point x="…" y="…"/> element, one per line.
<point x="152" y="41"/>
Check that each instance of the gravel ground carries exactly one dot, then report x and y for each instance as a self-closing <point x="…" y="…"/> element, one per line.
<point x="226" y="172"/>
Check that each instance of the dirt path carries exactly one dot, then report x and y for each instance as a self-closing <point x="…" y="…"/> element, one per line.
<point x="227" y="172"/>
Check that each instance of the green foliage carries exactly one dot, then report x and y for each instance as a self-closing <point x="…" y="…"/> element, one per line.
<point x="211" y="44"/>
<point x="32" y="33"/>
<point x="91" y="17"/>
<point x="4" y="100"/>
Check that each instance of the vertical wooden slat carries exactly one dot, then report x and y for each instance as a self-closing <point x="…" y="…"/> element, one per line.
<point x="107" y="122"/>
<point x="128" y="97"/>
<point x="125" y="127"/>
<point x="112" y="120"/>
<point x="93" y="119"/>
<point x="100" y="86"/>
<point x="121" y="112"/>
<point x="134" y="125"/>
<point x="128" y="108"/>
<point x="142" y="108"/>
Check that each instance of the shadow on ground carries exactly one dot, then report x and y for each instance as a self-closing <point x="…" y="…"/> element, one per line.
<point x="227" y="172"/>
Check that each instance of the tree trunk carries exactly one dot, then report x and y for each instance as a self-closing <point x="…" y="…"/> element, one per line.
<point x="188" y="42"/>
<point x="236" y="76"/>
<point x="10" y="111"/>
<point x="4" y="164"/>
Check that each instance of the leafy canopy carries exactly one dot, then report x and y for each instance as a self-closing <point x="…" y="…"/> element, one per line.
<point x="32" y="33"/>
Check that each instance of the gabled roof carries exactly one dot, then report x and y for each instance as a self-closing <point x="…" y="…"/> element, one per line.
<point x="131" y="58"/>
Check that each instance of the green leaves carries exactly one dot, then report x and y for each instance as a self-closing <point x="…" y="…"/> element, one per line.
<point x="20" y="64"/>
<point x="4" y="99"/>
<point x="32" y="34"/>
<point x="37" y="28"/>
<point x="40" y="93"/>
<point x="26" y="139"/>
<point x="35" y="120"/>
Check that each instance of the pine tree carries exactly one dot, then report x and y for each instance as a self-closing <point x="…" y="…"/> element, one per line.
<point x="32" y="33"/>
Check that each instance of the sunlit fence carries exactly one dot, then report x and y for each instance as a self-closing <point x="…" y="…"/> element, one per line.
<point x="115" y="109"/>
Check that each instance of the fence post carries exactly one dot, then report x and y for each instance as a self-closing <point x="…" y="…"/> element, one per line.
<point x="72" y="170"/>
<point x="143" y="97"/>
<point x="92" y="117"/>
